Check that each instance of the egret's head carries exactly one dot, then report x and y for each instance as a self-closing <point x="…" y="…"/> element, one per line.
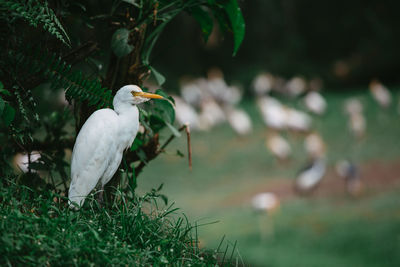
<point x="133" y="95"/>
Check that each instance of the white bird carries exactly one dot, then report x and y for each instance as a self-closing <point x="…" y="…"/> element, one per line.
<point x="309" y="177"/>
<point x="297" y="120"/>
<point x="315" y="103"/>
<point x="314" y="146"/>
<point x="357" y="123"/>
<point x="265" y="202"/>
<point x="21" y="161"/>
<point x="272" y="112"/>
<point x="278" y="146"/>
<point x="263" y="83"/>
<point x="186" y="114"/>
<point x="211" y="114"/>
<point x="101" y="141"/>
<point x="296" y="86"/>
<point x="193" y="91"/>
<point x="349" y="172"/>
<point x="239" y="120"/>
<point x="380" y="93"/>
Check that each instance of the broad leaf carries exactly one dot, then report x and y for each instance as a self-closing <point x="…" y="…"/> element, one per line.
<point x="204" y="20"/>
<point x="8" y="115"/>
<point x="173" y="129"/>
<point x="120" y="42"/>
<point x="159" y="77"/>
<point x="235" y="18"/>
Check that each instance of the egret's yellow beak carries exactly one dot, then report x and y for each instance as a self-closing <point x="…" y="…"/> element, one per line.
<point x="146" y="95"/>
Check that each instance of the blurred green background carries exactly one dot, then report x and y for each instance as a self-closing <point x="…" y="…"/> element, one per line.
<point x="346" y="44"/>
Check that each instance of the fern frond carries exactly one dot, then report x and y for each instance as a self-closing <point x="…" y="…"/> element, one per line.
<point x="36" y="12"/>
<point x="74" y="83"/>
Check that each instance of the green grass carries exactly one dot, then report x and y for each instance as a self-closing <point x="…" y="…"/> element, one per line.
<point x="335" y="231"/>
<point x="37" y="229"/>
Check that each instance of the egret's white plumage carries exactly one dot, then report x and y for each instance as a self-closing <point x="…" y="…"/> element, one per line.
<point x="297" y="120"/>
<point x="380" y="93"/>
<point x="265" y="202"/>
<point x="278" y="146"/>
<point x="296" y="86"/>
<point x="272" y="112"/>
<point x="315" y="103"/>
<point x="101" y="141"/>
<point x="263" y="83"/>
<point x="186" y="114"/>
<point x="21" y="160"/>
<point x="357" y="123"/>
<point x="239" y="120"/>
<point x="314" y="146"/>
<point x="311" y="176"/>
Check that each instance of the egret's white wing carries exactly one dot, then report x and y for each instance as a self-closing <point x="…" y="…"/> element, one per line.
<point x="94" y="147"/>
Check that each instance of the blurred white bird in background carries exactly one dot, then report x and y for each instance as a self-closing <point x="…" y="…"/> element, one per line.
<point x="380" y="93"/>
<point x="272" y="112"/>
<point x="310" y="176"/>
<point x="297" y="120"/>
<point x="185" y="113"/>
<point x="296" y="86"/>
<point x="101" y="141"/>
<point x="265" y="202"/>
<point x="315" y="102"/>
<point x="211" y="114"/>
<point x="263" y="83"/>
<point x="278" y="146"/>
<point x="239" y="120"/>
<point x="193" y="91"/>
<point x="349" y="172"/>
<point x="21" y="161"/>
<point x="314" y="146"/>
<point x="357" y="123"/>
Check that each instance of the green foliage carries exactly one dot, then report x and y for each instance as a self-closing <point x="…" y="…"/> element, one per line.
<point x="35" y="12"/>
<point x="38" y="229"/>
<point x="7" y="112"/>
<point x="120" y="42"/>
<point x="47" y="66"/>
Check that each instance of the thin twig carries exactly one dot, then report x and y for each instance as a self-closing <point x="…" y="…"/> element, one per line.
<point x="189" y="146"/>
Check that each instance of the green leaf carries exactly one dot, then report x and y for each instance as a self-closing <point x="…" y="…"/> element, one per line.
<point x="120" y="42"/>
<point x="2" y="105"/>
<point x="203" y="18"/>
<point x="8" y="115"/>
<point x="132" y="2"/>
<point x="159" y="77"/>
<point x="136" y="144"/>
<point x="237" y="23"/>
<point x="229" y="17"/>
<point x="173" y="129"/>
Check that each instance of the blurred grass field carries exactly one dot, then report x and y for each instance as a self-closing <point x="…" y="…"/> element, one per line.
<point x="324" y="229"/>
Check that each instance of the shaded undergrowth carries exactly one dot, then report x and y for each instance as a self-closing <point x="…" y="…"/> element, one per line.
<point x="37" y="228"/>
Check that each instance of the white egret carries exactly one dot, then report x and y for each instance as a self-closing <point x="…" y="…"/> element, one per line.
<point x="310" y="176"/>
<point x="272" y="112"/>
<point x="186" y="114"/>
<point x="380" y="93"/>
<point x="263" y="83"/>
<point x="357" y="123"/>
<point x="296" y="86"/>
<point x="21" y="161"/>
<point x="239" y="120"/>
<point x="315" y="102"/>
<point x="278" y="146"/>
<point x="314" y="145"/>
<point x="101" y="141"/>
<point x="350" y="173"/>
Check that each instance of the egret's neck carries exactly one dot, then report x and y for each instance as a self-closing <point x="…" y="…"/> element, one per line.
<point x="128" y="123"/>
